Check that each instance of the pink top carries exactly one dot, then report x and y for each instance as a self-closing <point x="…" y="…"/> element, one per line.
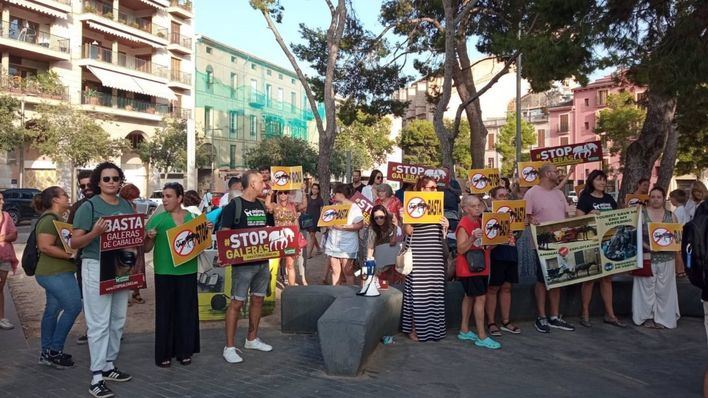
<point x="546" y="204"/>
<point x="7" y="251"/>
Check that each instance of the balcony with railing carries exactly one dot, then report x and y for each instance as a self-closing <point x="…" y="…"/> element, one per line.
<point x="181" y="77"/>
<point x="180" y="113"/>
<point x="182" y="8"/>
<point x="104" y="55"/>
<point x="180" y="42"/>
<point x="107" y="11"/>
<point x="29" y="39"/>
<point x="42" y="86"/>
<point x="121" y="102"/>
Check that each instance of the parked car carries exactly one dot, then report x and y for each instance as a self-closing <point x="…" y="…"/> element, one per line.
<point x="156" y="198"/>
<point x="18" y="203"/>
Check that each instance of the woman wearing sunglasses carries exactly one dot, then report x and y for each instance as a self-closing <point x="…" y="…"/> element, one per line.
<point x="375" y="179"/>
<point x="424" y="291"/>
<point x="286" y="213"/>
<point x="105" y="314"/>
<point x="383" y="231"/>
<point x="342" y="244"/>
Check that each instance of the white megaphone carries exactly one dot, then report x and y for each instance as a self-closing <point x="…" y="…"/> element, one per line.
<point x="370" y="288"/>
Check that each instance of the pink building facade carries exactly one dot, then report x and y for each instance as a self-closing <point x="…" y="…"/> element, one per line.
<point x="575" y="122"/>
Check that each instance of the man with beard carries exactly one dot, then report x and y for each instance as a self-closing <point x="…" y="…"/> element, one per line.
<point x="85" y="191"/>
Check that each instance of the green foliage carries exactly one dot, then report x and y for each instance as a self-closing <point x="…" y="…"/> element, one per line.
<point x="421" y="145"/>
<point x="166" y="150"/>
<point x="283" y="151"/>
<point x="11" y="135"/>
<point x="366" y="138"/>
<point x="692" y="125"/>
<point x="66" y="133"/>
<point x="506" y="142"/>
<point x="621" y="121"/>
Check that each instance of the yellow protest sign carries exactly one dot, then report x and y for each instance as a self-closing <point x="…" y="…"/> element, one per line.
<point x="286" y="178"/>
<point x="333" y="215"/>
<point x="422" y="207"/>
<point x="483" y="180"/>
<point x="528" y="173"/>
<point x="65" y="230"/>
<point x="665" y="236"/>
<point x="636" y="199"/>
<point x="188" y="240"/>
<point x="496" y="228"/>
<point x="516" y="209"/>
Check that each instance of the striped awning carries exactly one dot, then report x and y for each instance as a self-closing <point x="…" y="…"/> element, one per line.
<point x="41" y="8"/>
<point x="155" y="3"/>
<point x="133" y="84"/>
<point x="121" y="34"/>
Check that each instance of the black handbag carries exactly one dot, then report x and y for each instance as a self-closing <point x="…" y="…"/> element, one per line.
<point x="306" y="222"/>
<point x="475" y="260"/>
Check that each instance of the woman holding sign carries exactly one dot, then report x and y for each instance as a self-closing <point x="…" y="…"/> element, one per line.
<point x="593" y="200"/>
<point x="654" y="297"/>
<point x="176" y="306"/>
<point x="423" y="317"/>
<point x="55" y="273"/>
<point x="342" y="243"/>
<point x="286" y="213"/>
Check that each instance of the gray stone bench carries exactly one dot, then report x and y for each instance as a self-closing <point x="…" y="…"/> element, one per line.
<point x="349" y="327"/>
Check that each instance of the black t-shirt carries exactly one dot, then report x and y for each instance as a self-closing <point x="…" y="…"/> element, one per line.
<point x="253" y="215"/>
<point x="588" y="203"/>
<point x="359" y="189"/>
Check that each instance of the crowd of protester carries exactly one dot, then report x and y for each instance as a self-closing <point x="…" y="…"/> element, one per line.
<point x="486" y="273"/>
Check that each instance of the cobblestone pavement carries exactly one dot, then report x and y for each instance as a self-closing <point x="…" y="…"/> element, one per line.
<point x="602" y="361"/>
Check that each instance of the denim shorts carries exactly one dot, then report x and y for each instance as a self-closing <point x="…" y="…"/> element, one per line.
<point x="254" y="277"/>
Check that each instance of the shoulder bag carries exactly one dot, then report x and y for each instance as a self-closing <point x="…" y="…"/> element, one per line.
<point x="404" y="259"/>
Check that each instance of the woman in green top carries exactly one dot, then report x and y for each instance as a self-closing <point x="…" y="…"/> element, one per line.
<point x="55" y="273"/>
<point x="176" y="312"/>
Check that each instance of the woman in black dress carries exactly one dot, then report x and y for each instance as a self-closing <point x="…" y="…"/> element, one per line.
<point x="314" y="206"/>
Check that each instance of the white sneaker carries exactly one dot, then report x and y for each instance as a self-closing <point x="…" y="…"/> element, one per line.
<point x="5" y="324"/>
<point x="257" y="344"/>
<point x="231" y="356"/>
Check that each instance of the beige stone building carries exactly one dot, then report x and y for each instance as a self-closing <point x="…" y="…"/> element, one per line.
<point x="128" y="62"/>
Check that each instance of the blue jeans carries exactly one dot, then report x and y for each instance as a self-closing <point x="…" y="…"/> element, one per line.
<point x="62" y="295"/>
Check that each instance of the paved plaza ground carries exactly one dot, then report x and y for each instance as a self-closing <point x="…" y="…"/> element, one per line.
<point x="600" y="362"/>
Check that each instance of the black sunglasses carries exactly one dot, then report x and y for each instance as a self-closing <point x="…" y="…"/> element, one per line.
<point x="380" y="218"/>
<point x="84" y="186"/>
<point x="109" y="178"/>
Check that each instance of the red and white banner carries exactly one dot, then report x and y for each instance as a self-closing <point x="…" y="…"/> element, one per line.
<point x="239" y="246"/>
<point x="364" y="204"/>
<point x="122" y="259"/>
<point x="563" y="155"/>
<point x="411" y="172"/>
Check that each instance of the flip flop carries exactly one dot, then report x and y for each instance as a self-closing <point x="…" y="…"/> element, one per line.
<point x="586" y="322"/>
<point x="615" y="322"/>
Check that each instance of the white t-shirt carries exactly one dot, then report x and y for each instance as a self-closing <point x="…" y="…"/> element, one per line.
<point x="681" y="214"/>
<point x="368" y="191"/>
<point x="346" y="241"/>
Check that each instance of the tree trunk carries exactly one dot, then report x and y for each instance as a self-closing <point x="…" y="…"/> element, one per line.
<point x="446" y="136"/>
<point x="643" y="153"/>
<point x="668" y="158"/>
<point x="464" y="82"/>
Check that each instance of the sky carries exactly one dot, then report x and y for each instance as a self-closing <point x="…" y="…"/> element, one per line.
<point x="235" y="23"/>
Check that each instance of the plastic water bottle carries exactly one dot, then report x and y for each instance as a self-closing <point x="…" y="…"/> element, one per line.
<point x="387" y="340"/>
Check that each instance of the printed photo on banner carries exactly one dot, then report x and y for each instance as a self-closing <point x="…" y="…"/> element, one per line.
<point x="286" y="178"/>
<point x="589" y="247"/>
<point x="528" y="173"/>
<point x="665" y="237"/>
<point x="122" y="256"/>
<point x="482" y="180"/>
<point x="422" y="207"/>
<point x="496" y="228"/>
<point x="563" y="155"/>
<point x="410" y="173"/>
<point x="516" y="210"/>
<point x="636" y="199"/>
<point x="240" y="246"/>
<point x="65" y="231"/>
<point x="364" y="204"/>
<point x="188" y="240"/>
<point x="333" y="215"/>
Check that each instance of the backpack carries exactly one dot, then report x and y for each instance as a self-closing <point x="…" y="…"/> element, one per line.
<point x="30" y="256"/>
<point x="694" y="247"/>
<point x="237" y="214"/>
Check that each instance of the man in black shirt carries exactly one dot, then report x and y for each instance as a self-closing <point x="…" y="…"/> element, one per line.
<point x="84" y="185"/>
<point x="252" y="276"/>
<point x="356" y="181"/>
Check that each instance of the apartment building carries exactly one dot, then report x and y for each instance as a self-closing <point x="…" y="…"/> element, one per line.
<point x="241" y="100"/>
<point x="128" y="62"/>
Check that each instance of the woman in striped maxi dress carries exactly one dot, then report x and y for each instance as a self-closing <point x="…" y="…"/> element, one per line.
<point x="423" y="316"/>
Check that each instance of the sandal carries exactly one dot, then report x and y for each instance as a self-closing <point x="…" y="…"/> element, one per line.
<point x="585" y="322"/>
<point x="494" y="329"/>
<point x="650" y="324"/>
<point x="137" y="298"/>
<point x="615" y="322"/>
<point x="165" y="364"/>
<point x="185" y="361"/>
<point x="509" y="328"/>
